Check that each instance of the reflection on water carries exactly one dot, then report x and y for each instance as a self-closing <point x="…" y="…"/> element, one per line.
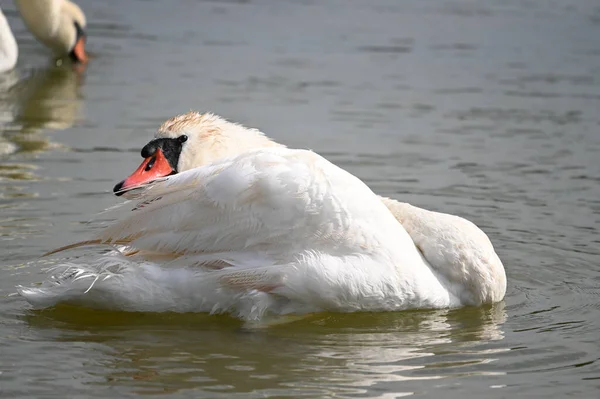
<point x="322" y="355"/>
<point x="33" y="106"/>
<point x="47" y="99"/>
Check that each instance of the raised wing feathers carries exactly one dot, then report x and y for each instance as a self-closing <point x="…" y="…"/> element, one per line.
<point x="276" y="201"/>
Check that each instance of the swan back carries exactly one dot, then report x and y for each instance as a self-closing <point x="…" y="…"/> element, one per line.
<point x="8" y="46"/>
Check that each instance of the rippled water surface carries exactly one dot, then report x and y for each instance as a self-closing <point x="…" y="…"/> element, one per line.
<point x="486" y="109"/>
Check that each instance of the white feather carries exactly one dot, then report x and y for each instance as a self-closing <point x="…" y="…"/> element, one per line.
<point x="276" y="231"/>
<point x="292" y="232"/>
<point x="8" y="46"/>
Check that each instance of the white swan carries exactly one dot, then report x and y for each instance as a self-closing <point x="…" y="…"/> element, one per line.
<point x="269" y="231"/>
<point x="8" y="46"/>
<point x="58" y="24"/>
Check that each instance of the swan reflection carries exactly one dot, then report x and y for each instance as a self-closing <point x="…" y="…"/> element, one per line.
<point x="47" y="99"/>
<point x="326" y="353"/>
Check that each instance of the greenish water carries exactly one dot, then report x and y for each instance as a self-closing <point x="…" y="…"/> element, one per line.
<point x="484" y="109"/>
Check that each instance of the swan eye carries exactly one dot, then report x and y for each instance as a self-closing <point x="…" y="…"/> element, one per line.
<point x="182" y="138"/>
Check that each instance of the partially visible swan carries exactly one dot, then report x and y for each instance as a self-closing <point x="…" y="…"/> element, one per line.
<point x="44" y="98"/>
<point x="223" y="219"/>
<point x="58" y="24"/>
<point x="8" y="46"/>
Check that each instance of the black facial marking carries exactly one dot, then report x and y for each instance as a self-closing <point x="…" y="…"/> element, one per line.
<point x="79" y="34"/>
<point x="171" y="148"/>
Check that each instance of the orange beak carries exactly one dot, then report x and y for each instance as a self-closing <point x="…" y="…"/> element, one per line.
<point x="152" y="168"/>
<point x="79" y="51"/>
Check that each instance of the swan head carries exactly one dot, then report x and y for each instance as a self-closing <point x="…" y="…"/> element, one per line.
<point x="58" y="24"/>
<point x="188" y="141"/>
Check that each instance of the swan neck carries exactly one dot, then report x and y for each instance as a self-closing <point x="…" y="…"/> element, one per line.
<point x="52" y="22"/>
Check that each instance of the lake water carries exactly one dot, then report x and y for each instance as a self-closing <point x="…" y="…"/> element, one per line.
<point x="485" y="109"/>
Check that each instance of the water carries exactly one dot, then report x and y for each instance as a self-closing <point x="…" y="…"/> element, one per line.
<point x="485" y="109"/>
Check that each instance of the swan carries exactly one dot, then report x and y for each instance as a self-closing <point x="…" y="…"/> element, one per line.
<point x="8" y="46"/>
<point x="58" y="24"/>
<point x="222" y="219"/>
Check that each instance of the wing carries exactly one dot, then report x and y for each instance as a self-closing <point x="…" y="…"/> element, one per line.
<point x="244" y="203"/>
<point x="259" y="209"/>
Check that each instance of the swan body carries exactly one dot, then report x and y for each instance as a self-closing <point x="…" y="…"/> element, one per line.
<point x="222" y="219"/>
<point x="8" y="46"/>
<point x="58" y="24"/>
<point x="283" y="229"/>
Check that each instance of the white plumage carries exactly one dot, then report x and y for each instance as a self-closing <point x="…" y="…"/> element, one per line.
<point x="8" y="46"/>
<point x="277" y="231"/>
